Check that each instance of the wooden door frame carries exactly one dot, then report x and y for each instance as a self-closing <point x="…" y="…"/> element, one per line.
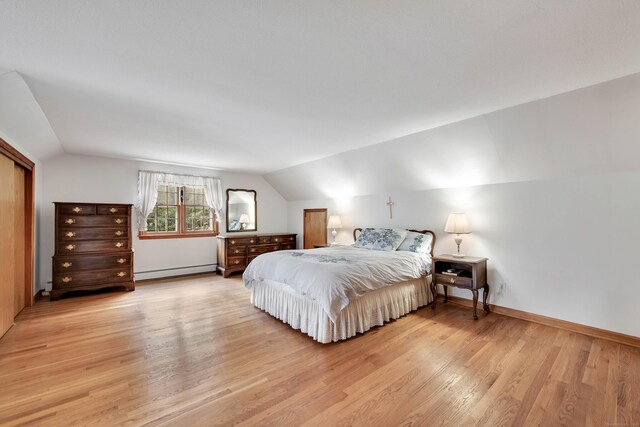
<point x="29" y="219"/>
<point x="326" y="215"/>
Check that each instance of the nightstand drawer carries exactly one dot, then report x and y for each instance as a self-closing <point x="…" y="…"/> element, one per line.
<point x="465" y="282"/>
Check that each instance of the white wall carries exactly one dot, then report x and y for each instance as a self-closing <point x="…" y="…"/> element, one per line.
<point x="75" y="178"/>
<point x="552" y="189"/>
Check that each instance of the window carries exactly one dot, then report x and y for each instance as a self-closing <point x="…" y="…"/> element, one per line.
<point x="180" y="212"/>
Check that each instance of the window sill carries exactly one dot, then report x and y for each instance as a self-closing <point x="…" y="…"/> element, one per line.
<point x="174" y="236"/>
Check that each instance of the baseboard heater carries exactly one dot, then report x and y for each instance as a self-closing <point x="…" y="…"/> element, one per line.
<point x="174" y="271"/>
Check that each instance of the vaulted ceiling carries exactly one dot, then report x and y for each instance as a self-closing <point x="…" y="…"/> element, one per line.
<point x="260" y="86"/>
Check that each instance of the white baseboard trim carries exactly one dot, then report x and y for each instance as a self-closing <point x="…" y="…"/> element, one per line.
<point x="176" y="271"/>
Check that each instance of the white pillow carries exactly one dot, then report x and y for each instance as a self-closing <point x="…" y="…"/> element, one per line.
<point x="380" y="239"/>
<point x="417" y="242"/>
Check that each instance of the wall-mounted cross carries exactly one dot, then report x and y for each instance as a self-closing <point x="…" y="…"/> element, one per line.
<point x="390" y="204"/>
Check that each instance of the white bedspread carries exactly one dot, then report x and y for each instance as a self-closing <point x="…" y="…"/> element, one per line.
<point x="332" y="276"/>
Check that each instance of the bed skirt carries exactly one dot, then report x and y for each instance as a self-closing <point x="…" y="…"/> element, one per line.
<point x="372" y="309"/>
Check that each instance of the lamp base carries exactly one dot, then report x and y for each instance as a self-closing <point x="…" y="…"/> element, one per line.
<point x="458" y="255"/>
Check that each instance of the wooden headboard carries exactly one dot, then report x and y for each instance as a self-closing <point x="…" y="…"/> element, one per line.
<point x="433" y="236"/>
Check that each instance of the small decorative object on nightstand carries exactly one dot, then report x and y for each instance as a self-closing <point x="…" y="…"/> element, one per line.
<point x="457" y="224"/>
<point x="334" y="222"/>
<point x="465" y="273"/>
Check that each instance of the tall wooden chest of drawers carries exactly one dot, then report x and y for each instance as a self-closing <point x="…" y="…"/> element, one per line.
<point x="93" y="247"/>
<point x="236" y="252"/>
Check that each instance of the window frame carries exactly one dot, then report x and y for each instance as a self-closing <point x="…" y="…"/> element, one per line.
<point x="181" y="223"/>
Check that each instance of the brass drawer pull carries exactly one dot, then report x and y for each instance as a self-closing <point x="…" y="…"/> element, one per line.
<point x="233" y="242"/>
<point x="113" y="210"/>
<point x="70" y="234"/>
<point x="67" y="279"/>
<point x="452" y="280"/>
<point x="70" y="247"/>
<point x="119" y="233"/>
<point x="237" y="261"/>
<point x="122" y="261"/>
<point x="67" y="264"/>
<point x="122" y="274"/>
<point x="252" y="241"/>
<point x="253" y="249"/>
<point x="237" y="251"/>
<point x="276" y="240"/>
<point x="119" y="245"/>
<point x="70" y="221"/>
<point x="77" y="209"/>
<point x="119" y="221"/>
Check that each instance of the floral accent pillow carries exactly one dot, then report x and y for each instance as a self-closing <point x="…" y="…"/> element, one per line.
<point x="380" y="239"/>
<point x="416" y="242"/>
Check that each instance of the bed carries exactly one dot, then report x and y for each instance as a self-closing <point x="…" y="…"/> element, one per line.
<point x="336" y="292"/>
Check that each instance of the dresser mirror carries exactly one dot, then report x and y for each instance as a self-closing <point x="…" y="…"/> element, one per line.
<point x="241" y="210"/>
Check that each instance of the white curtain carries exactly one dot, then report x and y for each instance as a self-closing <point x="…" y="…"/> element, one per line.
<point x="148" y="192"/>
<point x="147" y="196"/>
<point x="213" y="194"/>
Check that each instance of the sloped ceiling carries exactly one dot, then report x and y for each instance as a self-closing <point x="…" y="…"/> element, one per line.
<point x="262" y="86"/>
<point x="22" y="122"/>
<point x="588" y="131"/>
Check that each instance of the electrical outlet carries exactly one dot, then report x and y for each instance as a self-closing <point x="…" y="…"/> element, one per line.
<point x="501" y="288"/>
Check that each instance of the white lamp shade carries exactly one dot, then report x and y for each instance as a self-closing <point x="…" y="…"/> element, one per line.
<point x="334" y="222"/>
<point x="244" y="219"/>
<point x="457" y="223"/>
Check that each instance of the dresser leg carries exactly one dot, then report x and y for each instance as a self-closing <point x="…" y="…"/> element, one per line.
<point x="446" y="293"/>
<point x="54" y="295"/>
<point x="475" y="304"/>
<point x="485" y="294"/>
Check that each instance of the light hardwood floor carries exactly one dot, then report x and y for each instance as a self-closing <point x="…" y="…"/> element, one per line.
<point x="196" y="352"/>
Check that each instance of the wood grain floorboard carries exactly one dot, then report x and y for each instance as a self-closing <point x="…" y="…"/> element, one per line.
<point x="194" y="351"/>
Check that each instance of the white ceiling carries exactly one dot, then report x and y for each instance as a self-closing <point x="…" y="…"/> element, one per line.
<point x="263" y="85"/>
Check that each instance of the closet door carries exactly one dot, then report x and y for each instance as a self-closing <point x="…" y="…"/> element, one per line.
<point x="7" y="246"/>
<point x="20" y="238"/>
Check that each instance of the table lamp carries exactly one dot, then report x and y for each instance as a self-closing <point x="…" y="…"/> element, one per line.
<point x="334" y="222"/>
<point x="244" y="220"/>
<point x="457" y="224"/>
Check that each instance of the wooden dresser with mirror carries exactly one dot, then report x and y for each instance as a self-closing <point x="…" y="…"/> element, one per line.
<point x="93" y="247"/>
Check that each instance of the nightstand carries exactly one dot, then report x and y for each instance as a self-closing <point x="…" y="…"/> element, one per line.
<point x="465" y="273"/>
